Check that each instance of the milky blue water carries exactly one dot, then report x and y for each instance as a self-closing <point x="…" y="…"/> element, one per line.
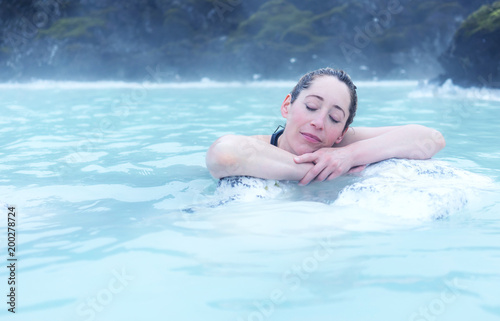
<point x="119" y="219"/>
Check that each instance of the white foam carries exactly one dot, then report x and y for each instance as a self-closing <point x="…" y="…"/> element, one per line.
<point x="402" y="189"/>
<point x="123" y="168"/>
<point x="414" y="189"/>
<point x="449" y="90"/>
<point x="96" y="85"/>
<point x="386" y="83"/>
<point x="247" y="189"/>
<point x="83" y="157"/>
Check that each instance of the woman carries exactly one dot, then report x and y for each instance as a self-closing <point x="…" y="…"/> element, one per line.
<point x="317" y="143"/>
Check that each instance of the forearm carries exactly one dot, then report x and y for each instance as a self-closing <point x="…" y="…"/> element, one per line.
<point x="240" y="155"/>
<point x="410" y="142"/>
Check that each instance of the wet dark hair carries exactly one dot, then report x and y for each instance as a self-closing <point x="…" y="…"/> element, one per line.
<point x="341" y="75"/>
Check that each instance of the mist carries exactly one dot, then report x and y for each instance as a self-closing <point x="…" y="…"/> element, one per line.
<point x="171" y="40"/>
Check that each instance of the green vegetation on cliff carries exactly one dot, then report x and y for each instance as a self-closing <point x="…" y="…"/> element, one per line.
<point x="486" y="20"/>
<point x="473" y="58"/>
<point x="76" y="27"/>
<point x="234" y="38"/>
<point x="279" y="24"/>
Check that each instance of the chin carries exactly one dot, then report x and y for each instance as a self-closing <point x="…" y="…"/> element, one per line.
<point x="301" y="150"/>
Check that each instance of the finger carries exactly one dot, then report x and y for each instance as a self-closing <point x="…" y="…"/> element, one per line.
<point x="305" y="158"/>
<point x="333" y="175"/>
<point x="327" y="174"/>
<point x="356" y="169"/>
<point x="331" y="171"/>
<point x="311" y="175"/>
<point x="307" y="178"/>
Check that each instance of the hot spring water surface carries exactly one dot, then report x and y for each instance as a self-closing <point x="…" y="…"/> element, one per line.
<point x="119" y="219"/>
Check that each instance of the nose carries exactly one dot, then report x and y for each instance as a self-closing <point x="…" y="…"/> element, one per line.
<point x="318" y="121"/>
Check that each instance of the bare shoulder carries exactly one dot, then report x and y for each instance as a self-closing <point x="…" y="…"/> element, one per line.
<point x="264" y="138"/>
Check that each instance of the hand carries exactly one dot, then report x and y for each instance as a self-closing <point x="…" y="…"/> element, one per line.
<point x="329" y="163"/>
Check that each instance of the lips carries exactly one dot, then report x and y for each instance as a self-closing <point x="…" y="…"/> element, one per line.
<point x="311" y="138"/>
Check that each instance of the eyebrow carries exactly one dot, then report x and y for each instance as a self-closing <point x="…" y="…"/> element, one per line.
<point x="321" y="98"/>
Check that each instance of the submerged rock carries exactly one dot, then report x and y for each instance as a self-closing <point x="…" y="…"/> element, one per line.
<point x="473" y="58"/>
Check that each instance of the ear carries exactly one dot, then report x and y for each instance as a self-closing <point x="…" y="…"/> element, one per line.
<point x="285" y="106"/>
<point x="339" y="139"/>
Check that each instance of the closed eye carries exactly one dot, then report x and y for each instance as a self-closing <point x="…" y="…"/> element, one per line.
<point x="310" y="108"/>
<point x="334" y="120"/>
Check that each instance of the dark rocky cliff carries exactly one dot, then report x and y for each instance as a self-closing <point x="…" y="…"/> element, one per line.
<point x="224" y="39"/>
<point x="473" y="58"/>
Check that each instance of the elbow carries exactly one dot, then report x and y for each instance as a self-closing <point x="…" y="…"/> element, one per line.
<point x="430" y="143"/>
<point x="436" y="141"/>
<point x="220" y="158"/>
<point x="440" y="141"/>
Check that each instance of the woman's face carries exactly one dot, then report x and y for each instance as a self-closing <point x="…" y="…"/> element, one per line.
<point x="317" y="118"/>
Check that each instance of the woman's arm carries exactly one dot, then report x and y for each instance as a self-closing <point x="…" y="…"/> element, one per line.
<point x="362" y="146"/>
<point x="371" y="145"/>
<point x="241" y="155"/>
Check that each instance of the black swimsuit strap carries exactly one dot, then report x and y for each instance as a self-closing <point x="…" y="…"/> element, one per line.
<point x="275" y="136"/>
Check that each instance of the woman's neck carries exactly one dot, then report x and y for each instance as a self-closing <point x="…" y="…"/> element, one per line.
<point x="283" y="143"/>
